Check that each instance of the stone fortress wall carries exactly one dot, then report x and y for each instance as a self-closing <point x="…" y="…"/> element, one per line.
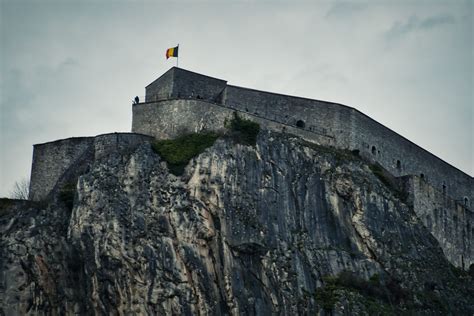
<point x="449" y="221"/>
<point x="182" y="100"/>
<point x="177" y="83"/>
<point x="52" y="160"/>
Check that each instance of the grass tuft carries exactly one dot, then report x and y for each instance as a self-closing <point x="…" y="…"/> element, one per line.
<point x="243" y="131"/>
<point x="389" y="181"/>
<point x="179" y="151"/>
<point x="66" y="194"/>
<point x="378" y="292"/>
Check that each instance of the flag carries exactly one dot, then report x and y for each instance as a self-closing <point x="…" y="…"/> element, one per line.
<point x="172" y="52"/>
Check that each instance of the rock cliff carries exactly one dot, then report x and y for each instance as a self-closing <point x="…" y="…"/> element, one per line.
<point x="283" y="227"/>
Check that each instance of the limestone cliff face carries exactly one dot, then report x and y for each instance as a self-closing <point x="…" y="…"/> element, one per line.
<point x="245" y="231"/>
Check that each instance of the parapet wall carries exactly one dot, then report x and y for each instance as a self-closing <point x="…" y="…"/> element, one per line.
<point x="170" y="118"/>
<point x="52" y="160"/>
<point x="320" y="117"/>
<point x="106" y="144"/>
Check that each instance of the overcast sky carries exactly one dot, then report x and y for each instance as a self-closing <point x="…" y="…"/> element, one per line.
<point x="71" y="68"/>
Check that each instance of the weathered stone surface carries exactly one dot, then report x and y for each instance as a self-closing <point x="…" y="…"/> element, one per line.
<point x="245" y="231"/>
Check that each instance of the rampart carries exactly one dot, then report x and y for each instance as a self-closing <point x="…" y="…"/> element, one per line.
<point x="195" y="102"/>
<point x="169" y="118"/>
<point x="450" y="222"/>
<point x="52" y="160"/>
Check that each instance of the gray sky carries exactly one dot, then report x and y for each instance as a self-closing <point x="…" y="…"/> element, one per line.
<point x="71" y="68"/>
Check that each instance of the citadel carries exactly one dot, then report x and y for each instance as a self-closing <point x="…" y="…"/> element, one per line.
<point x="183" y="101"/>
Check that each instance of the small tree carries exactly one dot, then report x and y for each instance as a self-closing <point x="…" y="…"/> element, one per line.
<point x="21" y="189"/>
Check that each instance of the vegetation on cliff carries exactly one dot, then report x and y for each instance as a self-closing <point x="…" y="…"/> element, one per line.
<point x="179" y="151"/>
<point x="243" y="131"/>
<point x="380" y="297"/>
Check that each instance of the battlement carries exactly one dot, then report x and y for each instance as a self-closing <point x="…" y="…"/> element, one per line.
<point x="182" y="100"/>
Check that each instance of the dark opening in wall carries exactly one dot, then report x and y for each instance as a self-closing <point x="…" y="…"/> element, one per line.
<point x="444" y="189"/>
<point x="422" y="176"/>
<point x="300" y="124"/>
<point x="399" y="164"/>
<point x="374" y="150"/>
<point x="466" y="201"/>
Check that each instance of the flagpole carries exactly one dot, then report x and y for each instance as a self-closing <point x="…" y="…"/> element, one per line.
<point x="177" y="58"/>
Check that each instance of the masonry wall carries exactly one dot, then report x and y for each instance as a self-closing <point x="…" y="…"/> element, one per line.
<point x="180" y="83"/>
<point x="171" y="118"/>
<point x="188" y="84"/>
<point x="161" y="88"/>
<point x="51" y="160"/>
<point x="319" y="117"/>
<point x="122" y="143"/>
<point x="449" y="221"/>
<point x="381" y="144"/>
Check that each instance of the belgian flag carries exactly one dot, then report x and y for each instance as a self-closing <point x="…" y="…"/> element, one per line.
<point x="172" y="52"/>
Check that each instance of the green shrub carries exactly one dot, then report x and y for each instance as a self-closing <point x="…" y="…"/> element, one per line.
<point x="243" y="131"/>
<point x="390" y="183"/>
<point x="375" y="279"/>
<point x="179" y="151"/>
<point x="375" y="307"/>
<point x="326" y="297"/>
<point x="340" y="155"/>
<point x="379" y="293"/>
<point x="459" y="272"/>
<point x="5" y="204"/>
<point x="66" y="194"/>
<point x="371" y="288"/>
<point x="379" y="173"/>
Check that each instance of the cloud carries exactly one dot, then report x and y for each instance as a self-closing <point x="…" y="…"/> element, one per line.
<point x="68" y="62"/>
<point x="345" y="8"/>
<point x="413" y="23"/>
<point x="433" y="21"/>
